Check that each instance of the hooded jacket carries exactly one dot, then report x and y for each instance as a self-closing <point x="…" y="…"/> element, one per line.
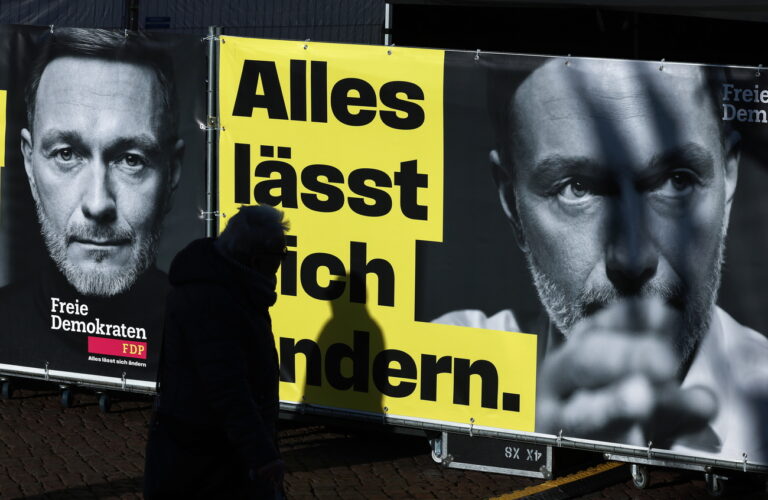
<point x="219" y="371"/>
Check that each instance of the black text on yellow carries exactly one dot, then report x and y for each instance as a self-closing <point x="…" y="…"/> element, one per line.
<point x="397" y="381"/>
<point x="321" y="185"/>
<point x="360" y="267"/>
<point x="353" y="101"/>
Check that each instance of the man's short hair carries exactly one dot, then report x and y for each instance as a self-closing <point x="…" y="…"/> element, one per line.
<point x="110" y="46"/>
<point x="253" y="230"/>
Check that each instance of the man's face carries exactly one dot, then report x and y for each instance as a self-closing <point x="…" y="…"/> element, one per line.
<point x="621" y="187"/>
<point x="100" y="169"/>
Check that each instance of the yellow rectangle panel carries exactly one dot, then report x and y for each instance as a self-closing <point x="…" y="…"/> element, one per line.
<point x="348" y="141"/>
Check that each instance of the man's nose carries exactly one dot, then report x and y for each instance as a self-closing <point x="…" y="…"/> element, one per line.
<point x="631" y="257"/>
<point x="98" y="202"/>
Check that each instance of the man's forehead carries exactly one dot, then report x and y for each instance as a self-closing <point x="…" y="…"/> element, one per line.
<point x="610" y="89"/>
<point x="84" y="93"/>
<point x="611" y="111"/>
<point x="70" y="79"/>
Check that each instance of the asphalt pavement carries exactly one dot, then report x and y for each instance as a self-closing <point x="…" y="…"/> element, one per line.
<point x="51" y="452"/>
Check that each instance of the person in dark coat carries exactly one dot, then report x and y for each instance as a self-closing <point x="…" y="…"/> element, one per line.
<point x="213" y="434"/>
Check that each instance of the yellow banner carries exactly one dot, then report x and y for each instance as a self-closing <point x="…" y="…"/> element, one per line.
<point x="348" y="141"/>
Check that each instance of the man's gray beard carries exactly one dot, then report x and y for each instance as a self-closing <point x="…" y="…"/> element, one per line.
<point x="99" y="282"/>
<point x="697" y="306"/>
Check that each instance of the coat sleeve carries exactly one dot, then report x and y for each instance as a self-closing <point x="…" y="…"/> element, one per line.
<point x="212" y="333"/>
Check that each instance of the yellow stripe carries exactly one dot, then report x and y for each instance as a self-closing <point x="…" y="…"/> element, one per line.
<point x="554" y="483"/>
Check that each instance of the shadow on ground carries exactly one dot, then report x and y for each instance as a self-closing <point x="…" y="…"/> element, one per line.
<point x="309" y="448"/>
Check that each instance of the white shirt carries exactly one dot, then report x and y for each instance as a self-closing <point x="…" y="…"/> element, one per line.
<point x="732" y="362"/>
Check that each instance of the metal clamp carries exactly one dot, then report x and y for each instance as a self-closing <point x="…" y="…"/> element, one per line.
<point x="125" y="33"/>
<point x="477" y="55"/>
<point x="745" y="461"/>
<point x="471" y="425"/>
<point x="50" y="28"/>
<point x="759" y="69"/>
<point x="560" y="438"/>
<point x="384" y="415"/>
<point x="650" y="444"/>
<point x="47" y="375"/>
<point x="437" y="449"/>
<point x="124" y="381"/>
<point x="546" y="472"/>
<point x="211" y="123"/>
<point x="210" y="38"/>
<point x="205" y="215"/>
<point x="661" y="67"/>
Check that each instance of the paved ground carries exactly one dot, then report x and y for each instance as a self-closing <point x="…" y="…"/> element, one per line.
<point x="54" y="453"/>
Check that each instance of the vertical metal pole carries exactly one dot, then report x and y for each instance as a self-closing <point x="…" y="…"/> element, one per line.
<point x="212" y="133"/>
<point x="387" y="24"/>
<point x="132" y="15"/>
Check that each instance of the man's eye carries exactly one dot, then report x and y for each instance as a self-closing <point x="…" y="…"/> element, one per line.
<point x="132" y="161"/>
<point x="64" y="154"/>
<point x="679" y="184"/>
<point x="65" y="158"/>
<point x="575" y="191"/>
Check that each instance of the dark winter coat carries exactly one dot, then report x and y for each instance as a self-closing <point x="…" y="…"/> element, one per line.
<point x="219" y="372"/>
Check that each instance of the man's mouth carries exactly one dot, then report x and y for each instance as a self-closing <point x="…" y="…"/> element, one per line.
<point x="101" y="243"/>
<point x="675" y="301"/>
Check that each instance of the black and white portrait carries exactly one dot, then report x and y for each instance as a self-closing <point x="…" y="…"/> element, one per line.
<point x="102" y="156"/>
<point x="104" y="150"/>
<point x="616" y="182"/>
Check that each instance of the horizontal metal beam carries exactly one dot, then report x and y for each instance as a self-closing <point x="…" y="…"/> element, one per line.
<point x="672" y="459"/>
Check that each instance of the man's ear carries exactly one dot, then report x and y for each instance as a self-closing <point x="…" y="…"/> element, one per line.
<point x="26" y="152"/>
<point x="505" y="186"/>
<point x="732" y="158"/>
<point x="177" y="157"/>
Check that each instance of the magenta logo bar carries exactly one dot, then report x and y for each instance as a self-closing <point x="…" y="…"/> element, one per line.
<point x="114" y="347"/>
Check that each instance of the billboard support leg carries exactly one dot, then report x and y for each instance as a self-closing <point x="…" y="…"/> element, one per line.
<point x="66" y="396"/>
<point x="6" y="389"/>
<point x="715" y="484"/>
<point x="105" y="402"/>
<point x="641" y="476"/>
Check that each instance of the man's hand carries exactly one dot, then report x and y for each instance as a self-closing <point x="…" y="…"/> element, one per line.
<point x="616" y="379"/>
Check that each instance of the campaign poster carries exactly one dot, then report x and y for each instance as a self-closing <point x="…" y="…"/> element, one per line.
<point x="102" y="181"/>
<point x="565" y="246"/>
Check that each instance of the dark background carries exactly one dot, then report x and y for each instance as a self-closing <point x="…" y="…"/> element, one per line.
<point x="351" y="21"/>
<point x="587" y="31"/>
